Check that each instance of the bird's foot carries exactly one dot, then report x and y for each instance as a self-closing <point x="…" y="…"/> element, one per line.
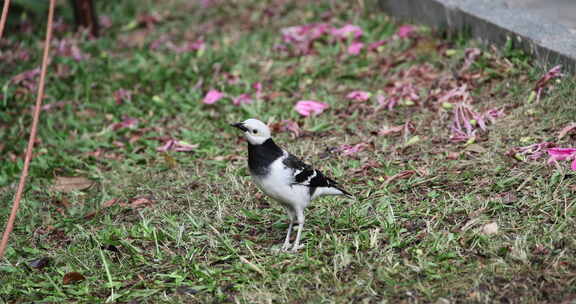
<point x="297" y="247"/>
<point x="286" y="246"/>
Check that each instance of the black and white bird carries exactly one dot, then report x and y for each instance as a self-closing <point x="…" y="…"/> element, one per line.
<point x="283" y="176"/>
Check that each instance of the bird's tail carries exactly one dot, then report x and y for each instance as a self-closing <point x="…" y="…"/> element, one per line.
<point x="344" y="192"/>
<point x="332" y="190"/>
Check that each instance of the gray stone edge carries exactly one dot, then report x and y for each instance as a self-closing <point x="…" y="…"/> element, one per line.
<point x="492" y="22"/>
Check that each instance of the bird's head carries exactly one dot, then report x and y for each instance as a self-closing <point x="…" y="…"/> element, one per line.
<point x="255" y="131"/>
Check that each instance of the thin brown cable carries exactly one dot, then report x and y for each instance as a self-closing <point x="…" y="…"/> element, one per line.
<point x="4" y="16"/>
<point x="39" y="97"/>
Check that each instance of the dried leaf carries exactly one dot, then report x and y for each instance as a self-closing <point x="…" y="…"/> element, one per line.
<point x="109" y="203"/>
<point x="401" y="175"/>
<point x="72" y="277"/>
<point x="252" y="265"/>
<point x="390" y="130"/>
<point x="569" y="128"/>
<point x="140" y="202"/>
<point x="72" y="183"/>
<point x="170" y="161"/>
<point x="476" y="148"/>
<point x="453" y="155"/>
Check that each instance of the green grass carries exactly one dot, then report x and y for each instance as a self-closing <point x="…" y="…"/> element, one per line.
<point x="210" y="236"/>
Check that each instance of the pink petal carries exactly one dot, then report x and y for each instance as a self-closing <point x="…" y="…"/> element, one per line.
<point x="358" y="95"/>
<point x="188" y="46"/>
<point x="470" y="56"/>
<point x="551" y="74"/>
<point x="355" y="48"/>
<point x="242" y="99"/>
<point x="122" y="95"/>
<point x="310" y="107"/>
<point x="258" y="87"/>
<point x="561" y="153"/>
<point x="303" y="33"/>
<point x="573" y="167"/>
<point x="166" y="146"/>
<point x="289" y="125"/>
<point x="352" y="149"/>
<point x="176" y="145"/>
<point x="105" y="21"/>
<point x="182" y="146"/>
<point x="128" y="122"/>
<point x="347" y="31"/>
<point x="375" y="45"/>
<point x="212" y="96"/>
<point x="405" y="31"/>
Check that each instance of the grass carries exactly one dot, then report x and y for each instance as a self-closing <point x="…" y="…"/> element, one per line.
<point x="206" y="234"/>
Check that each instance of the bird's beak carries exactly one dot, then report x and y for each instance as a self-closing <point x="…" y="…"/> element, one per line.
<point x="240" y="126"/>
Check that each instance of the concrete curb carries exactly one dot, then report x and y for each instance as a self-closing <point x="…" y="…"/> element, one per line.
<point x="493" y="22"/>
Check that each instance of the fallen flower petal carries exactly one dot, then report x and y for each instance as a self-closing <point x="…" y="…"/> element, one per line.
<point x="54" y="105"/>
<point x="212" y="96"/>
<point x="128" y="122"/>
<point x="26" y="76"/>
<point x="543" y="82"/>
<point x="470" y="56"/>
<point x="355" y="48"/>
<point x="289" y="125"/>
<point x="166" y="146"/>
<point x="189" y="46"/>
<point x="182" y="146"/>
<point x="401" y="175"/>
<point x="352" y="149"/>
<point x="375" y="45"/>
<point x="257" y="86"/>
<point x="347" y="31"/>
<point x="69" y="48"/>
<point x="122" y="95"/>
<point x="310" y="107"/>
<point x="557" y="154"/>
<point x="390" y="130"/>
<point x="242" y="99"/>
<point x="545" y="79"/>
<point x="301" y="37"/>
<point x="405" y="31"/>
<point x="533" y="151"/>
<point x="359" y="95"/>
<point x="176" y="145"/>
<point x="397" y="92"/>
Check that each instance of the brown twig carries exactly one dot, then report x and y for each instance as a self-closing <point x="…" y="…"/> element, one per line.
<point x="4" y="16"/>
<point x="39" y="97"/>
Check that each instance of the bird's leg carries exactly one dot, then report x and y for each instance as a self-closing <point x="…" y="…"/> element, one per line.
<point x="287" y="240"/>
<point x="300" y="219"/>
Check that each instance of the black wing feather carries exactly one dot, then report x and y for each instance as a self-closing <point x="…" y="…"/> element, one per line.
<point x="305" y="174"/>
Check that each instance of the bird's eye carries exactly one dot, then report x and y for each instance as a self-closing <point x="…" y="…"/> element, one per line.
<point x="255" y="131"/>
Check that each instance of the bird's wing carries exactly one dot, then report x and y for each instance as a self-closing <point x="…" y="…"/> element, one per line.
<point x="307" y="176"/>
